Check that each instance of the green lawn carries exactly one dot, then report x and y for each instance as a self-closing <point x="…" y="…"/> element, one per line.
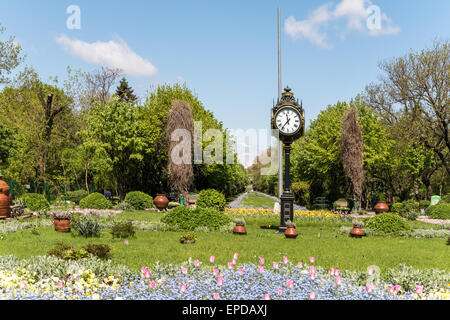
<point x="259" y="201"/>
<point x="319" y="240"/>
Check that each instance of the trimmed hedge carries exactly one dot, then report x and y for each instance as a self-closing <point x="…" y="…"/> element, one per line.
<point x="76" y="196"/>
<point x="191" y="219"/>
<point x="35" y="202"/>
<point x="139" y="200"/>
<point x="439" y="211"/>
<point x="210" y="198"/>
<point x="387" y="223"/>
<point x="95" y="201"/>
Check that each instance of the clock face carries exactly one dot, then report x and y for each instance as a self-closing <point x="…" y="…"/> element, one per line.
<point x="288" y="120"/>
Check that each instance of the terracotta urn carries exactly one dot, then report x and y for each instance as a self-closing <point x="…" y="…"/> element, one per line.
<point x="161" y="202"/>
<point x="357" y="232"/>
<point x="381" y="207"/>
<point x="4" y="206"/>
<point x="239" y="229"/>
<point x="61" y="225"/>
<point x="291" y="233"/>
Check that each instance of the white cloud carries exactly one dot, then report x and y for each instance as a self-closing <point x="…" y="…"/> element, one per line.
<point x="113" y="54"/>
<point x="355" y="12"/>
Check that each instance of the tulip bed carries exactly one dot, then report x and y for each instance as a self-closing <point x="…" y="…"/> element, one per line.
<point x="194" y="280"/>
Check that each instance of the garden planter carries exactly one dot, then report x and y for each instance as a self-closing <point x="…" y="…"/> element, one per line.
<point x="239" y="230"/>
<point x="161" y="202"/>
<point x="183" y="241"/>
<point x="61" y="225"/>
<point x="4" y="206"/>
<point x="291" y="233"/>
<point x="357" y="232"/>
<point x="381" y="207"/>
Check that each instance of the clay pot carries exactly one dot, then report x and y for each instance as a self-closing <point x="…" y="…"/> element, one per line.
<point x="381" y="207"/>
<point x="4" y="206"/>
<point x="291" y="233"/>
<point x="357" y="232"/>
<point x="61" y="225"/>
<point x="239" y="229"/>
<point x="161" y="202"/>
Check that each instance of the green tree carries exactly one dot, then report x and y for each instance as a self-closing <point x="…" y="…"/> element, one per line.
<point x="125" y="92"/>
<point x="10" y="56"/>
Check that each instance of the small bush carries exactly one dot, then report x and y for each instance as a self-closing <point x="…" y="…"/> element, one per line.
<point x="409" y="210"/>
<point x="139" y="200"/>
<point x="125" y="206"/>
<point x="86" y="226"/>
<point x="102" y="251"/>
<point x="396" y="207"/>
<point x="439" y="211"/>
<point x="76" y="196"/>
<point x="387" y="223"/>
<point x="445" y="198"/>
<point x="423" y="204"/>
<point x="210" y="198"/>
<point x="35" y="202"/>
<point x="95" y="201"/>
<point x="59" y="250"/>
<point x="123" y="230"/>
<point x="191" y="219"/>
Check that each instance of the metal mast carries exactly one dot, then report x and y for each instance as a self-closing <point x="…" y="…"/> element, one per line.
<point x="280" y="144"/>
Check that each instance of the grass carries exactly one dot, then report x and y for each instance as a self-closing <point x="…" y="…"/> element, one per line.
<point x="257" y="201"/>
<point x="321" y="240"/>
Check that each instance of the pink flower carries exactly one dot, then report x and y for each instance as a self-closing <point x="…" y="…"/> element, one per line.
<point x="22" y="284"/>
<point x="289" y="283"/>
<point x="235" y="256"/>
<point x="216" y="295"/>
<point x="125" y="242"/>
<point x="419" y="289"/>
<point x="144" y="269"/>
<point x="59" y="284"/>
<point x="312" y="276"/>
<point x="260" y="269"/>
<point x="184" y="270"/>
<point x="267" y="296"/>
<point x="215" y="272"/>
<point x="285" y="260"/>
<point x="338" y="280"/>
<point x="220" y="280"/>
<point x="397" y="287"/>
<point x="261" y="261"/>
<point x="331" y="272"/>
<point x="233" y="262"/>
<point x="312" y="259"/>
<point x="275" y="265"/>
<point x="152" y="284"/>
<point x="369" y="288"/>
<point x="312" y="295"/>
<point x="337" y="272"/>
<point x="280" y="292"/>
<point x="299" y="265"/>
<point x="311" y="268"/>
<point x="370" y="271"/>
<point x="391" y="289"/>
<point x="147" y="274"/>
<point x="230" y="265"/>
<point x="196" y="263"/>
<point x="183" y="287"/>
<point x="211" y="259"/>
<point x="241" y="271"/>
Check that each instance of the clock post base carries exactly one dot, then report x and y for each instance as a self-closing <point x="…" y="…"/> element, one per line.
<point x="287" y="210"/>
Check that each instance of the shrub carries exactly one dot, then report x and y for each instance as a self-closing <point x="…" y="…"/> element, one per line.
<point x="387" y="223"/>
<point x="35" y="202"/>
<point x="102" y="251"/>
<point x="125" y="206"/>
<point x="409" y="210"/>
<point x="439" y="211"/>
<point x="445" y="198"/>
<point x="59" y="250"/>
<point x="95" y="201"/>
<point x="172" y="205"/>
<point x="396" y="207"/>
<point x="123" y="230"/>
<point x="210" y="198"/>
<point x="423" y="204"/>
<point x="76" y="196"/>
<point x="139" y="200"/>
<point x="191" y="219"/>
<point x="85" y="225"/>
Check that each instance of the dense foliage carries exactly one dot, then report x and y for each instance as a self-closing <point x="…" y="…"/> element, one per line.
<point x="76" y="196"/>
<point x="35" y="202"/>
<point x="95" y="201"/>
<point x="191" y="219"/>
<point x="139" y="200"/>
<point x="210" y="198"/>
<point x="123" y="229"/>
<point x="439" y="211"/>
<point x="387" y="223"/>
<point x="85" y="225"/>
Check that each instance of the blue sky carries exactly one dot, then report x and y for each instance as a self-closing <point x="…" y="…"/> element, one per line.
<point x="227" y="50"/>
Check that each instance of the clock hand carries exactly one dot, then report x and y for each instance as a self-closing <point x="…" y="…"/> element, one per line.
<point x="288" y="119"/>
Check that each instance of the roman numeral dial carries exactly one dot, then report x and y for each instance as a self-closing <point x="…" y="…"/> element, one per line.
<point x="288" y="120"/>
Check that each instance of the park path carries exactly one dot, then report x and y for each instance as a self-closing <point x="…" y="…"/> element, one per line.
<point x="235" y="204"/>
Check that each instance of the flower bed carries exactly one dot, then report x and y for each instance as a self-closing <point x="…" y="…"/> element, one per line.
<point x="194" y="281"/>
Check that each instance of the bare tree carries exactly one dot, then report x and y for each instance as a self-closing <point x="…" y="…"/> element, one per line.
<point x="181" y="176"/>
<point x="352" y="147"/>
<point x="99" y="83"/>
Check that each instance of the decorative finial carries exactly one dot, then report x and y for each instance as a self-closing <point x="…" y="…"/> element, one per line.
<point x="287" y="89"/>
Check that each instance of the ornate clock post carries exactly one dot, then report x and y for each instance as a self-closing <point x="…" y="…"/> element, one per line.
<point x="288" y="117"/>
